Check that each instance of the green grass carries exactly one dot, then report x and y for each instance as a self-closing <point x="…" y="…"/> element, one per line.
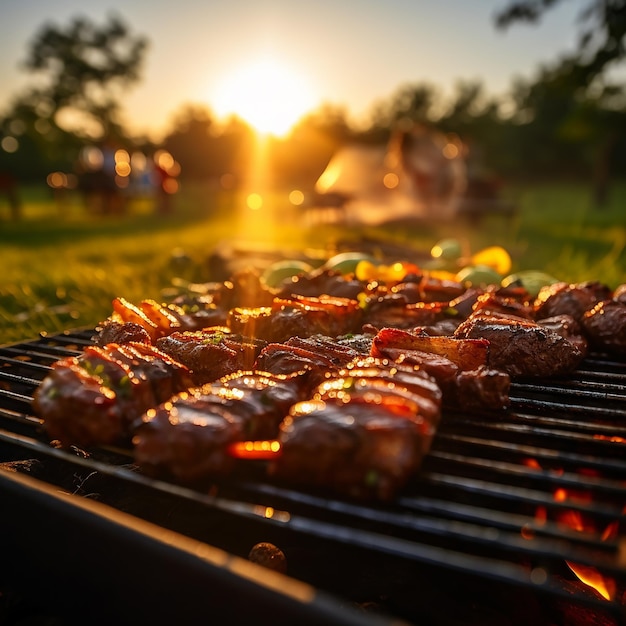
<point x="62" y="265"/>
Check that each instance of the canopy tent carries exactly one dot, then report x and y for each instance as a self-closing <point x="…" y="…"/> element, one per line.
<point x="419" y="174"/>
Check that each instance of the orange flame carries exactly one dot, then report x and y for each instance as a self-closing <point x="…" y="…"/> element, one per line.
<point x="587" y="574"/>
<point x="591" y="576"/>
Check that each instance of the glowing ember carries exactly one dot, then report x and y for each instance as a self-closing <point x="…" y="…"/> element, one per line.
<point x="575" y="520"/>
<point x="591" y="576"/>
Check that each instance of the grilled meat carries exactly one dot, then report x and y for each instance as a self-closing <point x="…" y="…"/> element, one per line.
<point x="280" y="358"/>
<point x="349" y="375"/>
<point x="324" y="281"/>
<point x="339" y="350"/>
<point x="393" y="310"/>
<point x="130" y="322"/>
<point x="467" y="353"/>
<point x="262" y="398"/>
<point x="121" y="332"/>
<point x="317" y="355"/>
<point x="211" y="353"/>
<point x="460" y="367"/>
<point x="490" y="303"/>
<point x="188" y="437"/>
<point x="569" y="299"/>
<point x="605" y="325"/>
<point x="569" y="328"/>
<point x="95" y="397"/>
<point x="297" y="317"/>
<point x="378" y="424"/>
<point x="360" y="447"/>
<point x="371" y="378"/>
<point x="521" y="347"/>
<point x="481" y="388"/>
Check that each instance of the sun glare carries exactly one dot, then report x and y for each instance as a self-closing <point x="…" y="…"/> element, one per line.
<point x="267" y="94"/>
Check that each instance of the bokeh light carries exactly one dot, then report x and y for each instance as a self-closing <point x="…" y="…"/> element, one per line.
<point x="254" y="201"/>
<point x="296" y="197"/>
<point x="9" y="144"/>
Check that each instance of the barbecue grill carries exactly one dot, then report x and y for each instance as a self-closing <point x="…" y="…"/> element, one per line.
<point x="483" y="534"/>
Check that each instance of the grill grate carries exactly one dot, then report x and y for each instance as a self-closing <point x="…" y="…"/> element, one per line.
<point x="488" y="503"/>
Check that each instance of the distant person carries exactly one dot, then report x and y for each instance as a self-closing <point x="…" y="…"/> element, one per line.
<point x="111" y="197"/>
<point x="8" y="188"/>
<point x="165" y="172"/>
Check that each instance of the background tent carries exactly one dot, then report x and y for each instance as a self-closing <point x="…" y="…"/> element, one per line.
<point x="419" y="174"/>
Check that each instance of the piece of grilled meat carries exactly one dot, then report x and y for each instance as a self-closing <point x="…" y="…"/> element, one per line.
<point x="297" y="316"/>
<point x="95" y="397"/>
<point x="317" y="355"/>
<point x="360" y="446"/>
<point x="460" y="366"/>
<point x="210" y="353"/>
<point x="522" y="347"/>
<point x="605" y="325"/>
<point x="569" y="299"/>
<point x="188" y="437"/>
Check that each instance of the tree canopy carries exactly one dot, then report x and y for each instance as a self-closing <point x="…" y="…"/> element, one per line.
<point x="85" y="66"/>
<point x="602" y="32"/>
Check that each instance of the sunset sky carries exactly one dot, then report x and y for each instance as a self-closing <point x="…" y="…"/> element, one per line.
<point x="346" y="52"/>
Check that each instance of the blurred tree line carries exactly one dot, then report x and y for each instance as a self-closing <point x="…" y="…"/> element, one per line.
<point x="568" y="121"/>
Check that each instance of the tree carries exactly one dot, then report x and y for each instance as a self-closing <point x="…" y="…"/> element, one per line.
<point x="194" y="142"/>
<point x="574" y="97"/>
<point x="85" y="67"/>
<point x="602" y="36"/>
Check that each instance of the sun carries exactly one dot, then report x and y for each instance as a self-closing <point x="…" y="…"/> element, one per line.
<point x="267" y="94"/>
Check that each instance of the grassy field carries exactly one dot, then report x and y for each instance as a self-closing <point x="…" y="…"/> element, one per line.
<point x="62" y="265"/>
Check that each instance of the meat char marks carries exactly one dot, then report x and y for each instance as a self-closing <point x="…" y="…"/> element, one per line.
<point x="95" y="397"/>
<point x="522" y="347"/>
<point x="211" y="353"/>
<point x="364" y="450"/>
<point x="605" y="325"/>
<point x="188" y="437"/>
<point x="461" y="367"/>
<point x="361" y="433"/>
<point x="297" y="316"/>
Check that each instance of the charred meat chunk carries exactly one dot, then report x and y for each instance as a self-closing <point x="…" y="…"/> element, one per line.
<point x="297" y="317"/>
<point x="522" y="347"/>
<point x="357" y="448"/>
<point x="569" y="328"/>
<point x="211" y="353"/>
<point x="490" y="303"/>
<point x="188" y="438"/>
<point x="156" y="321"/>
<point x="322" y="281"/>
<point x="95" y="397"/>
<point x="482" y="388"/>
<point x="569" y="299"/>
<point x="261" y="399"/>
<point x="121" y="332"/>
<point x="459" y="367"/>
<point x="339" y="352"/>
<point x="466" y="353"/>
<point x="317" y="355"/>
<point x="280" y="358"/>
<point x="605" y="325"/>
<point x="375" y="383"/>
<point x="393" y="310"/>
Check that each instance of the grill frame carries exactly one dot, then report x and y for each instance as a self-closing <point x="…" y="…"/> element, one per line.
<point x="462" y="516"/>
